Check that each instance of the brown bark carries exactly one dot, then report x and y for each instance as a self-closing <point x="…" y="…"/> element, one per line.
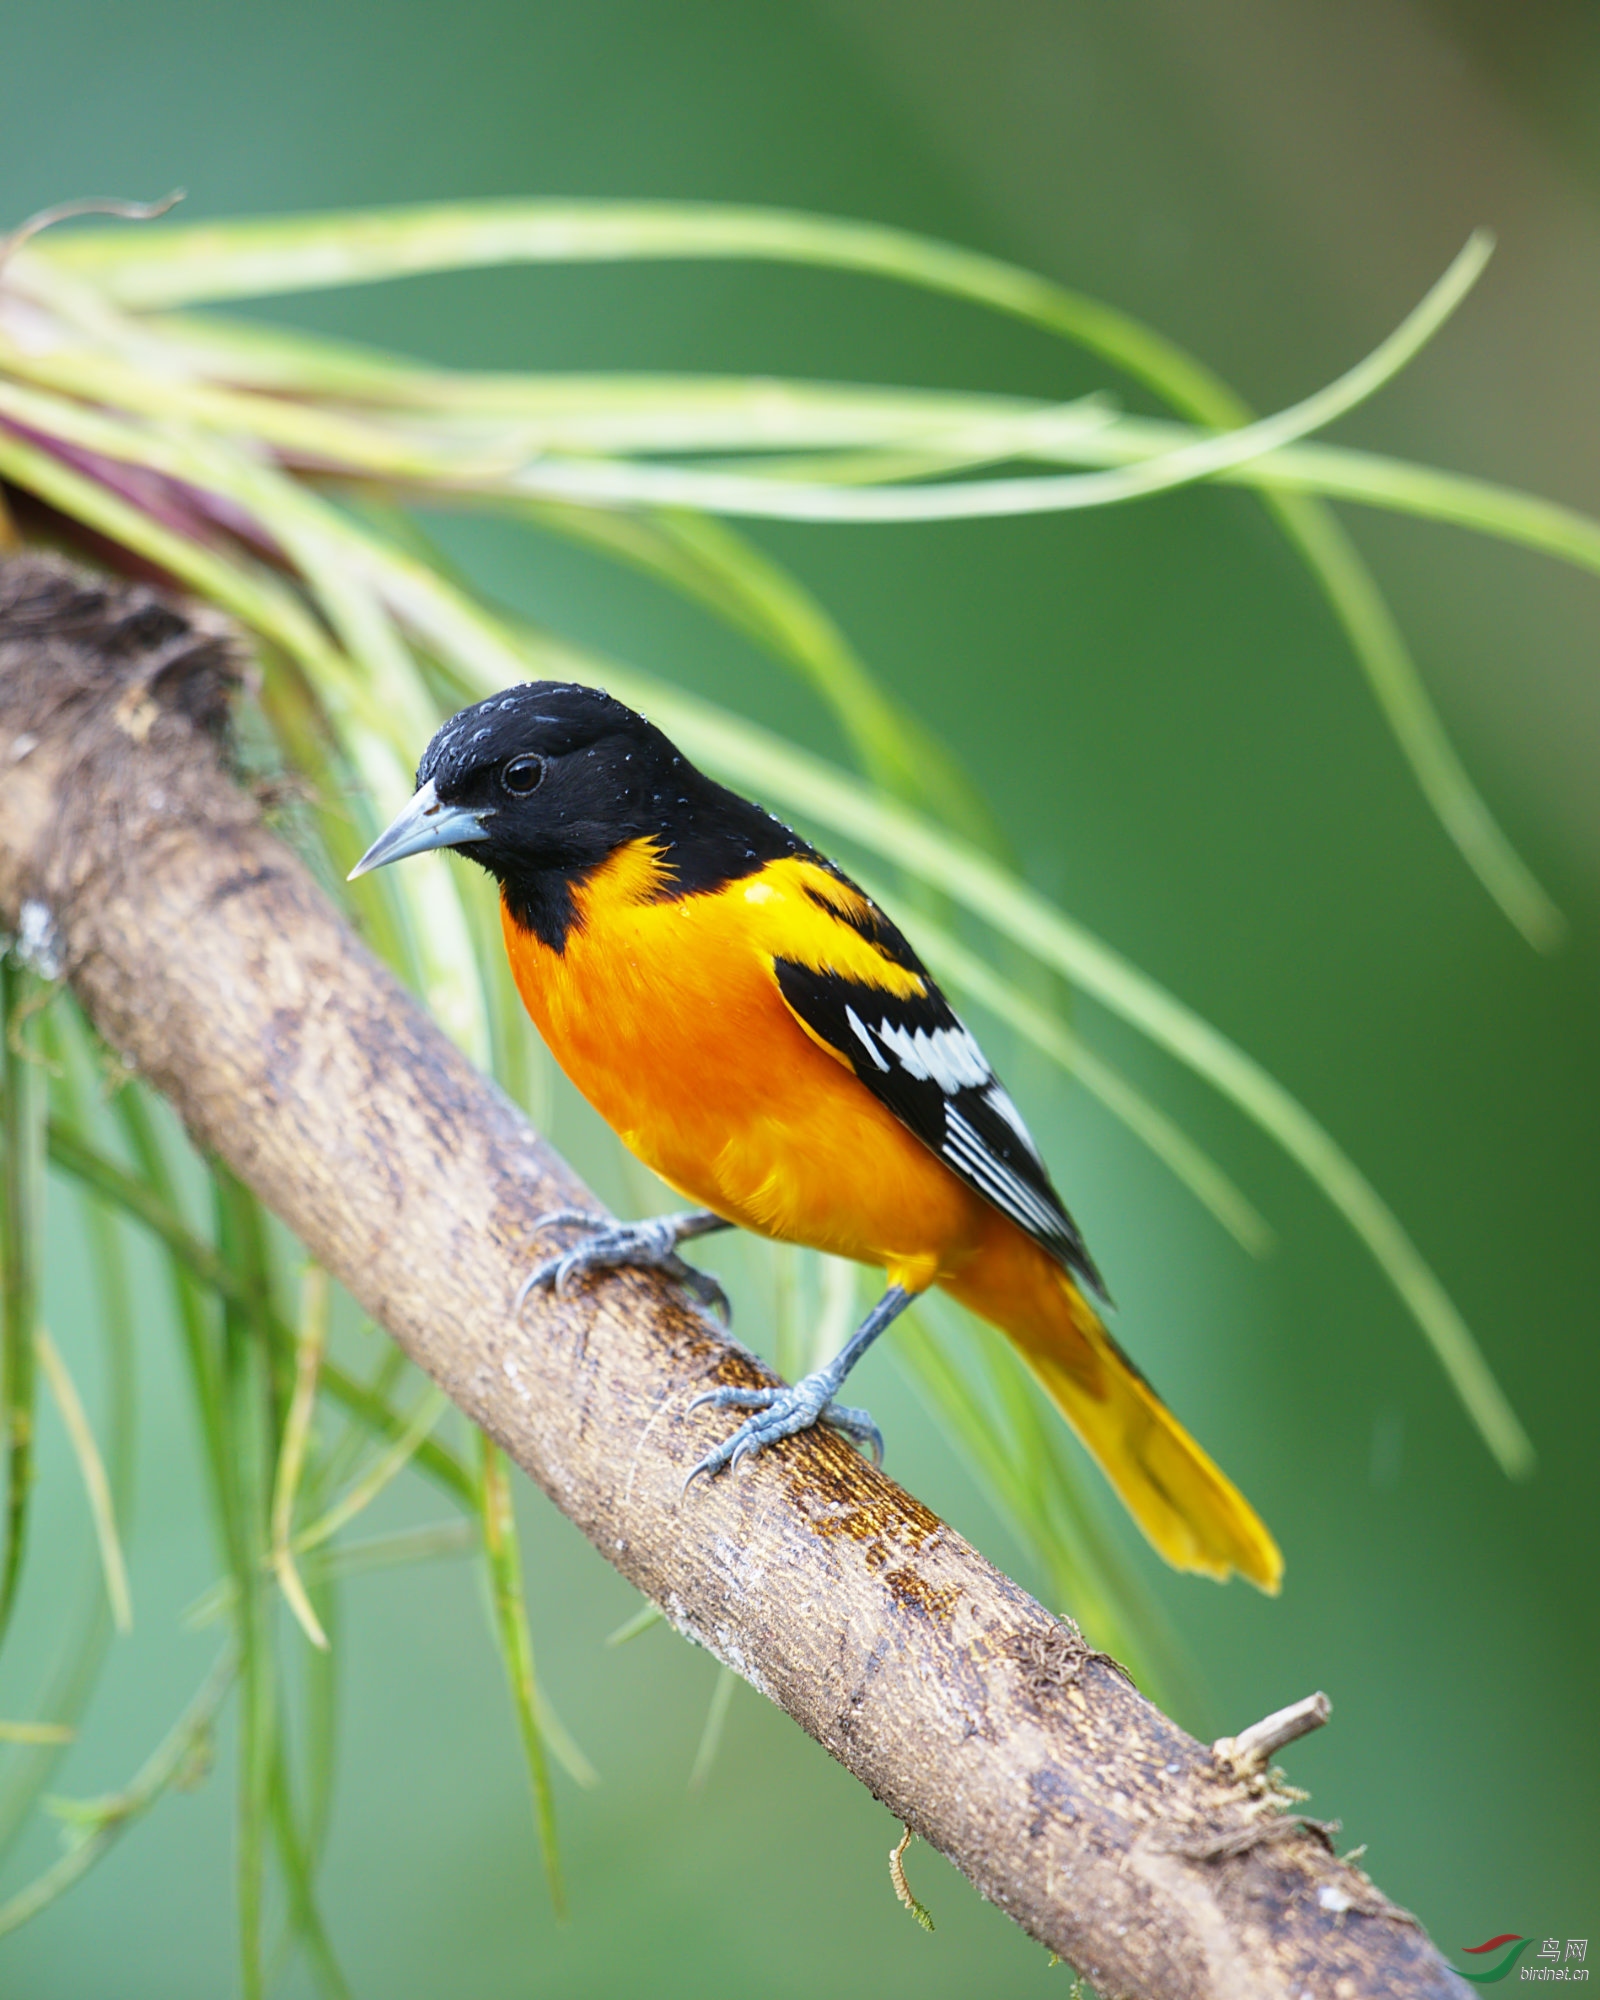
<point x="210" y="959"/>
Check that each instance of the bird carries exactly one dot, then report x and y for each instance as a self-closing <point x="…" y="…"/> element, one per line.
<point x="763" y="1036"/>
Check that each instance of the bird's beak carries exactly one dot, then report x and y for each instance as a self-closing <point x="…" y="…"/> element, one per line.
<point x="425" y="823"/>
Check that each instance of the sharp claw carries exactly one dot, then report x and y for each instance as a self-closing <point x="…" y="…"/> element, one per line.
<point x="781" y="1413"/>
<point x="706" y="1289"/>
<point x="709" y="1465"/>
<point x="614" y="1246"/>
<point x="856" y="1424"/>
<point x="542" y="1274"/>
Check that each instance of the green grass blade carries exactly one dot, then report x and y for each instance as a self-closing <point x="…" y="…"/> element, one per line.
<point x="716" y="1721"/>
<point x="245" y="1410"/>
<point x="338" y="1463"/>
<point x="566" y="410"/>
<point x="383" y="1420"/>
<point x="503" y="1563"/>
<point x="99" y="1823"/>
<point x="297" y="431"/>
<point x="562" y="1744"/>
<point x="1392" y="674"/>
<point x="614" y="483"/>
<point x="305" y="1925"/>
<point x="329" y="1564"/>
<point x="641" y="1621"/>
<point x="709" y="562"/>
<point x="308" y="745"/>
<point x="91" y="1468"/>
<point x="1287" y="479"/>
<point x="86" y="1626"/>
<point x="21" y="1234"/>
<point x="1374" y="480"/>
<point x="1346" y="583"/>
<point x="386" y="1468"/>
<point x="367" y="635"/>
<point x="182" y="264"/>
<point x="395" y="1550"/>
<point x="186" y="263"/>
<point x="69" y="1687"/>
<point x="320" y="1712"/>
<point x="195" y="1260"/>
<point x="310" y="1347"/>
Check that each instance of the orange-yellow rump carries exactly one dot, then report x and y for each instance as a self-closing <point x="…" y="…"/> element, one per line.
<point x="763" y="1037"/>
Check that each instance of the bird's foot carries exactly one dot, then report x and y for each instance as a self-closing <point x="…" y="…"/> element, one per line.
<point x="612" y="1246"/>
<point x="781" y="1413"/>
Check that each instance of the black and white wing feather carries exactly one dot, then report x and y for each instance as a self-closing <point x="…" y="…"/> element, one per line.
<point x="917" y="1058"/>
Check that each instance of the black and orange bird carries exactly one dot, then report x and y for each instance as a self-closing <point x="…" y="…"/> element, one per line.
<point x="763" y="1037"/>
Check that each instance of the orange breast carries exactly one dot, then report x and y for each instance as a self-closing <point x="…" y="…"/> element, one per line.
<point x="667" y="1016"/>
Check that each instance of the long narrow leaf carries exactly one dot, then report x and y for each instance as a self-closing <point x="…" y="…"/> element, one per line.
<point x="503" y="1561"/>
<point x="200" y="1262"/>
<point x="91" y="1469"/>
<point x="188" y="263"/>
<point x="85" y="1627"/>
<point x="716" y="1721"/>
<point x="101" y="1822"/>
<point x="384" y="1470"/>
<point x="309" y="1350"/>
<point x="708" y="561"/>
<point x="614" y="483"/>
<point x="244" y="1410"/>
<point x="35" y="1733"/>
<point x="21" y="1235"/>
<point x="305" y="1925"/>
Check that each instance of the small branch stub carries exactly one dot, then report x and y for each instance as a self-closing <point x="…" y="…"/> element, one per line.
<point x="1252" y="1749"/>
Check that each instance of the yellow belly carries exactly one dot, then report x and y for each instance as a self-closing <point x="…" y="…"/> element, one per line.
<point x="667" y="1016"/>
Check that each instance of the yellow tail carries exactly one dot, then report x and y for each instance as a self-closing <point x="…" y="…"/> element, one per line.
<point x="1193" y="1513"/>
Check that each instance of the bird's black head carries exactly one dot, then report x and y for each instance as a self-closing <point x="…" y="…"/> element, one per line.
<point x="544" y="782"/>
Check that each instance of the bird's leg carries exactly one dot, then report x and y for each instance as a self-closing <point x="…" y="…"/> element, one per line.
<point x="782" y="1412"/>
<point x="610" y="1246"/>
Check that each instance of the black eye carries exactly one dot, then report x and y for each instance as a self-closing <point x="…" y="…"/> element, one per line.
<point x="522" y="775"/>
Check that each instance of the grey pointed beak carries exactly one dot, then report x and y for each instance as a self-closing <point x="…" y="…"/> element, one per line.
<point x="425" y="823"/>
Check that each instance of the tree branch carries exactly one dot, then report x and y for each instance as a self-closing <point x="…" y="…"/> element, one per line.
<point x="207" y="956"/>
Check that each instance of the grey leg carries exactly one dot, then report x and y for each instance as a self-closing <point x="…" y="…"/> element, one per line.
<point x="780" y="1413"/>
<point x="610" y="1246"/>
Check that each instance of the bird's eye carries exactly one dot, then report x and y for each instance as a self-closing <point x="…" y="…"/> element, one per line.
<point x="522" y="775"/>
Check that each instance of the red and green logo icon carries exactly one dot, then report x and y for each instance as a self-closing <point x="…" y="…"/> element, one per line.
<point x="1502" y="1968"/>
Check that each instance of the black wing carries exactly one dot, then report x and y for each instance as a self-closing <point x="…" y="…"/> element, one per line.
<point x="916" y="1057"/>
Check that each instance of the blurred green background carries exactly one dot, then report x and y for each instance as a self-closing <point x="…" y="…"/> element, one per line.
<point x="1169" y="729"/>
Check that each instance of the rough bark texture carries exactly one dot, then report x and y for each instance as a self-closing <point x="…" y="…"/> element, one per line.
<point x="211" y="960"/>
